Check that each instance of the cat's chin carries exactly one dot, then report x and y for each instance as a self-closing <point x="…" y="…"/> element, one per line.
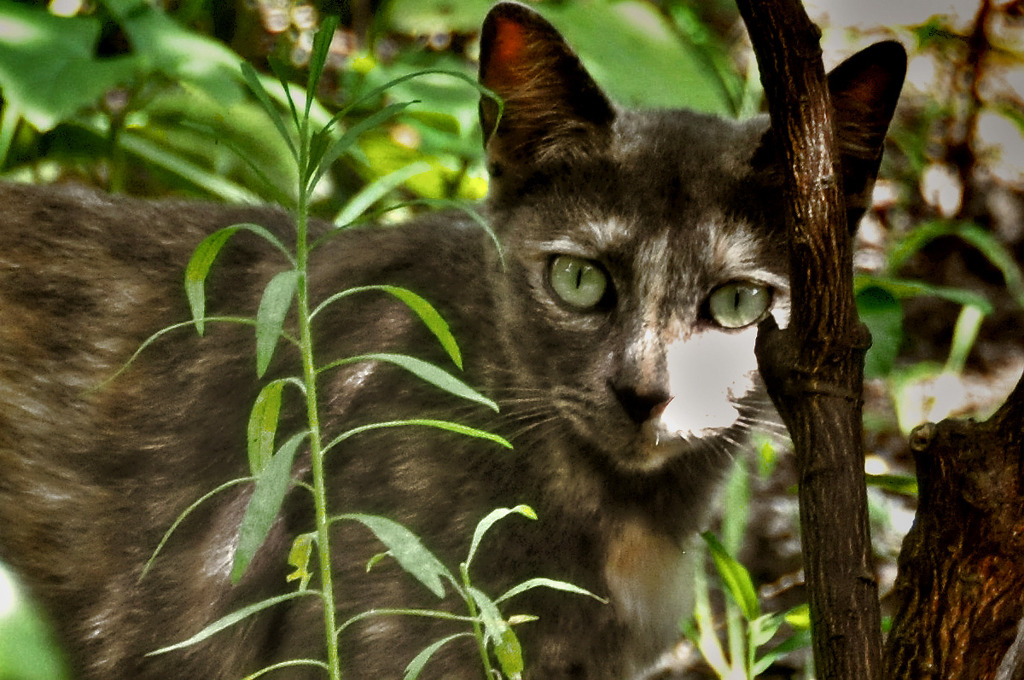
<point x="655" y="446"/>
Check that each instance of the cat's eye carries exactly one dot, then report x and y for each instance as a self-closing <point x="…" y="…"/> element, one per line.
<point x="578" y="282"/>
<point x="739" y="303"/>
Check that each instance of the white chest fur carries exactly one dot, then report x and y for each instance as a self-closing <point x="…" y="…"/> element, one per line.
<point x="650" y="577"/>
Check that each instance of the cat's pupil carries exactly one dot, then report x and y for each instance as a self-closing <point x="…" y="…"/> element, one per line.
<point x="739" y="303"/>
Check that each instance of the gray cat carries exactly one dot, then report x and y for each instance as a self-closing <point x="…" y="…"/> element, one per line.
<point x="641" y="250"/>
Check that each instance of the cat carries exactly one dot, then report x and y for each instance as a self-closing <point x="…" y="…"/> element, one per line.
<point x="640" y="251"/>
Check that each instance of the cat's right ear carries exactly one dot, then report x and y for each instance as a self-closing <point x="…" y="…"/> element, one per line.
<point x="552" y="107"/>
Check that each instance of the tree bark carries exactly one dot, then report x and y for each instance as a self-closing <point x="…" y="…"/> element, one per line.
<point x="814" y="368"/>
<point x="961" y="569"/>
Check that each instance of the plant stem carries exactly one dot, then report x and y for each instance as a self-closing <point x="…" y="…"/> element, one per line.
<point x="323" y="533"/>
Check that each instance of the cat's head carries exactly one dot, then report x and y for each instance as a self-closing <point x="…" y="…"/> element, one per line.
<point x="643" y="247"/>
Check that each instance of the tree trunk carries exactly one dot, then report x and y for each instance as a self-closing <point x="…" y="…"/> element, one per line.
<point x="961" y="569"/>
<point x="814" y="368"/>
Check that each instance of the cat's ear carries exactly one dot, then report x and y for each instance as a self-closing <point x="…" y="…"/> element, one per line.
<point x="552" y="107"/>
<point x="864" y="90"/>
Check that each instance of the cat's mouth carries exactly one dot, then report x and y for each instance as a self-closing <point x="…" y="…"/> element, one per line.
<point x="664" y="436"/>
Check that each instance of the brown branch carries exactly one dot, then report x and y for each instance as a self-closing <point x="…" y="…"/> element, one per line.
<point x="814" y="369"/>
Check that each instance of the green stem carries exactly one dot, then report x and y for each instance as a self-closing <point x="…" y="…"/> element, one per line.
<point x="309" y="373"/>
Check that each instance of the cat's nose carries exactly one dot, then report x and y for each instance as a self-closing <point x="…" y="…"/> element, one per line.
<point x="641" y="404"/>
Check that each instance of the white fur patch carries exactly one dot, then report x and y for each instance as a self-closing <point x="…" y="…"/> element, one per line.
<point x="708" y="372"/>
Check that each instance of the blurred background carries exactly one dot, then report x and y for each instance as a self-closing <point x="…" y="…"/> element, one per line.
<point x="145" y="97"/>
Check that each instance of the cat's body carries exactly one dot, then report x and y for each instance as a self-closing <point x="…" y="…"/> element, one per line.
<point x="625" y="401"/>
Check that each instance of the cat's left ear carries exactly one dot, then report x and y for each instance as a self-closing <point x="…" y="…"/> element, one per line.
<point x="552" y="108"/>
<point x="864" y="90"/>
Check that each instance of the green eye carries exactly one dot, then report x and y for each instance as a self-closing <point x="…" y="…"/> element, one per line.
<point x="739" y="303"/>
<point x="578" y="282"/>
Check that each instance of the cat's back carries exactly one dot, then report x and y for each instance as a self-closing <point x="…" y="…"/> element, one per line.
<point x="94" y="464"/>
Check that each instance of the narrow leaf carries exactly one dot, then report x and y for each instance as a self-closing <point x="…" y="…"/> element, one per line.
<point x="423" y="422"/>
<point x="548" y="583"/>
<point x="198" y="269"/>
<point x="181" y="518"/>
<point x="271" y="487"/>
<point x="253" y="81"/>
<point x="203" y="257"/>
<point x="277" y="299"/>
<point x="231" y="619"/>
<point x="431" y="318"/>
<point x="762" y="629"/>
<point x="405" y="547"/>
<point x="487" y="522"/>
<point x="290" y="663"/>
<point x="263" y="426"/>
<point x="735" y="577"/>
<point x="352" y="134"/>
<point x="424" y="371"/>
<point x="376" y="190"/>
<point x="318" y="57"/>
<point x="415" y="667"/>
<point x="434" y="322"/>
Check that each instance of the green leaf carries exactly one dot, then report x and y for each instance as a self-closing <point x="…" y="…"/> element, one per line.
<point x="252" y="79"/>
<point x="233" y="618"/>
<point x="352" y="134"/>
<point x="198" y="269"/>
<point x="277" y="299"/>
<point x="499" y="634"/>
<point x="430" y="317"/>
<point x="263" y="426"/>
<point x="968" y="325"/>
<point x="901" y="484"/>
<point x="318" y="57"/>
<point x="548" y="583"/>
<point x="762" y="629"/>
<point x="407" y="549"/>
<point x="176" y="162"/>
<point x="487" y="522"/>
<point x="902" y="289"/>
<point x="735" y="577"/>
<point x="458" y="428"/>
<point x="424" y="371"/>
<point x="376" y="190"/>
<point x="181" y="518"/>
<point x="181" y="54"/>
<point x="271" y="488"/>
<point x="509" y="653"/>
<point x="202" y="260"/>
<point x="299" y="556"/>
<point x="434" y="322"/>
<point x="800" y="640"/>
<point x="415" y="667"/>
<point x="48" y="64"/>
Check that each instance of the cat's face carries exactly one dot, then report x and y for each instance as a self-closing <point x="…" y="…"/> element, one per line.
<point x="642" y="252"/>
<point x="636" y="279"/>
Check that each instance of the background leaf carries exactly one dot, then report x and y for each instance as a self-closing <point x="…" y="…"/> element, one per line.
<point x="735" y="577"/>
